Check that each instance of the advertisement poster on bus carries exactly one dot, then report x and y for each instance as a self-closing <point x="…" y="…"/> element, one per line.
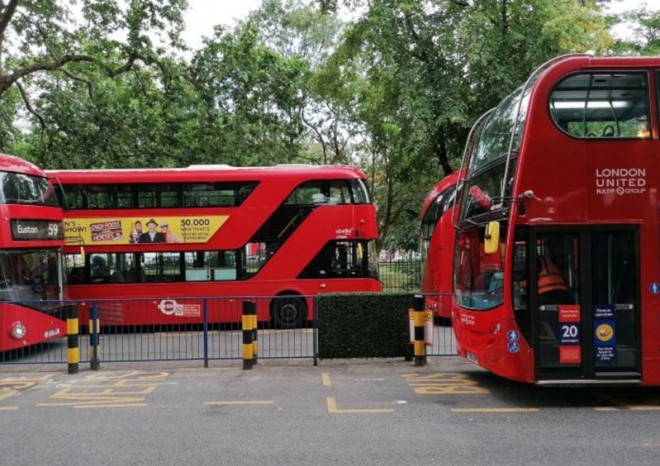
<point x="142" y="230"/>
<point x="605" y="333"/>
<point x="569" y="334"/>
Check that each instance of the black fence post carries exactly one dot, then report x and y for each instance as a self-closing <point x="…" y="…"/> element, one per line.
<point x="72" y="331"/>
<point x="94" y="338"/>
<point x="205" y="313"/>
<point x="315" y="328"/>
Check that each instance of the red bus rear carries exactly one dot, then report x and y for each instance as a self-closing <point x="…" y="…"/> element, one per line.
<point x="31" y="238"/>
<point x="437" y="235"/>
<point x="556" y="268"/>
<point x="289" y="232"/>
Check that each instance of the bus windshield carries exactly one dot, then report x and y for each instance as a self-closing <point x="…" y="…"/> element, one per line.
<point x="494" y="140"/>
<point x="20" y="188"/>
<point x="28" y="275"/>
<point x="479" y="276"/>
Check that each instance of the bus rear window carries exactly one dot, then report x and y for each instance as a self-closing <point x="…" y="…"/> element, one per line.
<point x="332" y="192"/>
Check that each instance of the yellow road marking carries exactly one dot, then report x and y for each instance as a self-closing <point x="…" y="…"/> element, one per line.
<point x="127" y="405"/>
<point x="644" y="408"/>
<point x="495" y="410"/>
<point x="444" y="383"/>
<point x="107" y="401"/>
<point x="12" y="386"/>
<point x="332" y="408"/>
<point x="325" y="377"/>
<point x="253" y="402"/>
<point x="8" y="408"/>
<point x="628" y="408"/>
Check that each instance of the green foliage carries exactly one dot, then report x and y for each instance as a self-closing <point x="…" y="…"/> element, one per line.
<point x="252" y="93"/>
<point x="532" y="31"/>
<point x="404" y="275"/>
<point x="9" y="133"/>
<point x="431" y="68"/>
<point x="67" y="62"/>
<point x="108" y="83"/>
<point x="364" y="325"/>
<point x="138" y="119"/>
<point x="644" y="37"/>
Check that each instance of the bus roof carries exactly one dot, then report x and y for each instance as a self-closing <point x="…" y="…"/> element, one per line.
<point x="10" y="163"/>
<point x="442" y="185"/>
<point x="197" y="173"/>
<point x="585" y="60"/>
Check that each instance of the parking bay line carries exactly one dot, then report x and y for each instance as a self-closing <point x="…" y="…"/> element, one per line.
<point x="627" y="408"/>
<point x="238" y="403"/>
<point x="332" y="409"/>
<point x="495" y="410"/>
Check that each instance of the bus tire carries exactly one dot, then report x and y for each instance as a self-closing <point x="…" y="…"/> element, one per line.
<point x="287" y="311"/>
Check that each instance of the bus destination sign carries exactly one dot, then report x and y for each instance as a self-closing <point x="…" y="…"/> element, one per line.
<point x="34" y="230"/>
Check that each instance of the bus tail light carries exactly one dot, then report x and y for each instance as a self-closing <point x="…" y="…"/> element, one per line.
<point x="18" y="330"/>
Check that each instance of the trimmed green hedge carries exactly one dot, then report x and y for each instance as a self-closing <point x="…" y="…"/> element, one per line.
<point x="364" y="325"/>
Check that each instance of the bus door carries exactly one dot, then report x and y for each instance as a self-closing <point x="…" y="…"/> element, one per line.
<point x="585" y="303"/>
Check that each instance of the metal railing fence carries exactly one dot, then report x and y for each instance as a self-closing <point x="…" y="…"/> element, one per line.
<point x="400" y="275"/>
<point x="193" y="329"/>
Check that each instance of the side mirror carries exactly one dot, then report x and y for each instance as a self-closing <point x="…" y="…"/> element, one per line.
<point x="492" y="238"/>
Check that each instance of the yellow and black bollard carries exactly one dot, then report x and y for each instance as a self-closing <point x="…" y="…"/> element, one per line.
<point x="248" y="347"/>
<point x="72" y="331"/>
<point x="419" y="344"/>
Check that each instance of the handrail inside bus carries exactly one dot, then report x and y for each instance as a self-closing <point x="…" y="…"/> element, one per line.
<point x="516" y="122"/>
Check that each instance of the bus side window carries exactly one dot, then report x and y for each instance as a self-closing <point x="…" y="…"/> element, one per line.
<point x="116" y="277"/>
<point x="76" y="276"/>
<point x="99" y="271"/>
<point x="196" y="269"/>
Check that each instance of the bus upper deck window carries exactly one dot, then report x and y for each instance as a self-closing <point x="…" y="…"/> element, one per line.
<point x="360" y="192"/>
<point x="602" y="105"/>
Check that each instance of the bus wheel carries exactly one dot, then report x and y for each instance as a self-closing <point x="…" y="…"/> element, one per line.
<point x="288" y="312"/>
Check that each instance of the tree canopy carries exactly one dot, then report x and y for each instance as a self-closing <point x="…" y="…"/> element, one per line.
<point x="394" y="90"/>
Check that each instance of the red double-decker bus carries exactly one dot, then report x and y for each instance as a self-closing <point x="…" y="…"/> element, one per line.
<point x="438" y="235"/>
<point x="288" y="232"/>
<point x="31" y="239"/>
<point x="556" y="268"/>
<point x="436" y="244"/>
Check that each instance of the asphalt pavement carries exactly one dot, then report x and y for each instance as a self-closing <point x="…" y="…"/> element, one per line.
<point x="341" y="412"/>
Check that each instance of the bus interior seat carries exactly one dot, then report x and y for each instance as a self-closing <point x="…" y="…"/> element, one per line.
<point x="116" y="277"/>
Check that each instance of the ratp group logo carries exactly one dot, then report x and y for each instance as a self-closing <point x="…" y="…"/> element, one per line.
<point x="620" y="181"/>
<point x="170" y="307"/>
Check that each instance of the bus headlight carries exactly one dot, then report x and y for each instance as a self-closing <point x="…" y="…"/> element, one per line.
<point x="18" y="330"/>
